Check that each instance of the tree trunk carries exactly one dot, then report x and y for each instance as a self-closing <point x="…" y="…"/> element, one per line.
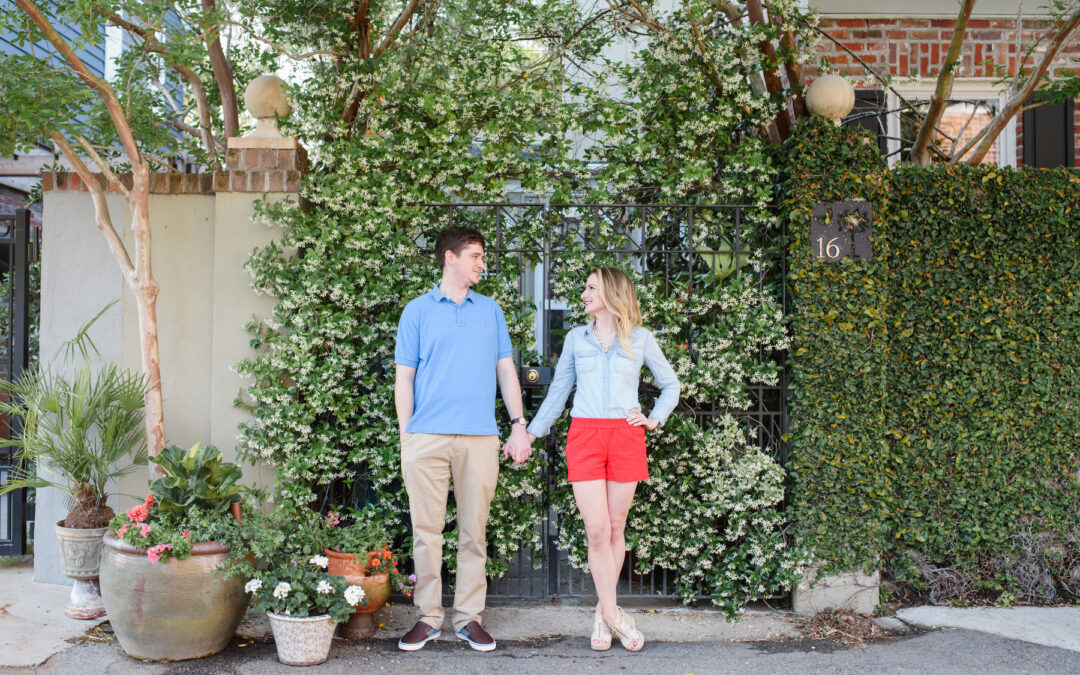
<point x="145" y="289"/>
<point x="920" y="151"/>
<point x="219" y="63"/>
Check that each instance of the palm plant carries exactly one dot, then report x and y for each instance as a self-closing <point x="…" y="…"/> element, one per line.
<point x="77" y="433"/>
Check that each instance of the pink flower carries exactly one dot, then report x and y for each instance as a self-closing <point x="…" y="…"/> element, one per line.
<point x="186" y="534"/>
<point x="149" y="501"/>
<point x="144" y="530"/>
<point x="153" y="554"/>
<point x="138" y="513"/>
<point x="333" y="518"/>
<point x="123" y="529"/>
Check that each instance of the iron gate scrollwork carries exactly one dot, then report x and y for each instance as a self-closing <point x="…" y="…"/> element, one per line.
<point x="535" y="236"/>
<point x="18" y="248"/>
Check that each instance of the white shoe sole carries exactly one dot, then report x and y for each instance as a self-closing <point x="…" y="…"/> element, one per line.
<point x="416" y="646"/>
<point x="477" y="646"/>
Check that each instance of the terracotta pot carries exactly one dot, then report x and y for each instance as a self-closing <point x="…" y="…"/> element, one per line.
<point x="174" y="609"/>
<point x="302" y="641"/>
<point x="376" y="591"/>
<point x="80" y="558"/>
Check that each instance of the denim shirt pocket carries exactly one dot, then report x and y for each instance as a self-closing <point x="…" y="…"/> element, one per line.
<point x="585" y="361"/>
<point x="624" y="366"/>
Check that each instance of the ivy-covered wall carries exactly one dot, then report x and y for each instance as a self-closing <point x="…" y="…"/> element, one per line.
<point x="936" y="387"/>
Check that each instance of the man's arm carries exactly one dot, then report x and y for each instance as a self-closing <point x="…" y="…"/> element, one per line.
<point x="404" y="377"/>
<point x="518" y="446"/>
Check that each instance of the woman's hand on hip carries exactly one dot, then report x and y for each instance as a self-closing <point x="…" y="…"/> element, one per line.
<point x="637" y="418"/>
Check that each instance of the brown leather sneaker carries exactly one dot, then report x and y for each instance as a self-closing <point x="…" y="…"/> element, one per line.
<point x="478" y="638"/>
<point x="419" y="636"/>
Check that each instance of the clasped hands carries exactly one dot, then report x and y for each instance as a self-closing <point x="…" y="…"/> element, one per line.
<point x="519" y="446"/>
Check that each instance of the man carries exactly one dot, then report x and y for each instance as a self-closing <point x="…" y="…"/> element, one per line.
<point x="452" y="346"/>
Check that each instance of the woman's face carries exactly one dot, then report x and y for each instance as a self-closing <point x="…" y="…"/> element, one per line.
<point x="594" y="301"/>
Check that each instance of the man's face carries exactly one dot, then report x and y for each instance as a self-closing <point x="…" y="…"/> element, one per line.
<point x="469" y="265"/>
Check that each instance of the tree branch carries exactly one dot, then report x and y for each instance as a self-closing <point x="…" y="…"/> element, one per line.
<point x="1016" y="101"/>
<point x="773" y="85"/>
<point x="223" y="74"/>
<point x="105" y="169"/>
<point x="101" y="208"/>
<point x="919" y="153"/>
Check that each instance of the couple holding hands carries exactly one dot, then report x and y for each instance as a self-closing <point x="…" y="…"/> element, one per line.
<point x="452" y="347"/>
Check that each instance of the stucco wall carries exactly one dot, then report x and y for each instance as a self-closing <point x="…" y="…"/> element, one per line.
<point x="199" y="243"/>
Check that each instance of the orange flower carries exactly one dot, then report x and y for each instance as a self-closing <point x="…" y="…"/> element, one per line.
<point x="375" y="562"/>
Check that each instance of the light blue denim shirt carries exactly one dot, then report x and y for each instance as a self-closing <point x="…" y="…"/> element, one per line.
<point x="607" y="384"/>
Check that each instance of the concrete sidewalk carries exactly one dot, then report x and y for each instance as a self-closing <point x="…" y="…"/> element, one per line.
<point x="33" y="627"/>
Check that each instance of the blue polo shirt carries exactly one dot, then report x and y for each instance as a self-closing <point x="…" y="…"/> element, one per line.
<point x="454" y="349"/>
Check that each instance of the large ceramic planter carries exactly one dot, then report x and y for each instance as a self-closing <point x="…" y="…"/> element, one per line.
<point x="376" y="591"/>
<point x="174" y="609"/>
<point x="80" y="558"/>
<point x="302" y="641"/>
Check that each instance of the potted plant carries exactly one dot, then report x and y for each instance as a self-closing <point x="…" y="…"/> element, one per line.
<point x="77" y="434"/>
<point x="169" y="572"/>
<point x="357" y="545"/>
<point x="304" y="604"/>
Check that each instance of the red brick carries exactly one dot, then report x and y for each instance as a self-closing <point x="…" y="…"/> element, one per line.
<point x="914" y="23"/>
<point x="48" y="181"/>
<point x="850" y="23"/>
<point x="249" y="158"/>
<point x="923" y="35"/>
<point x="991" y="35"/>
<point x="870" y="58"/>
<point x="1003" y="23"/>
<point x="206" y="183"/>
<point x="232" y="159"/>
<point x="867" y="34"/>
<point x="855" y="46"/>
<point x="257" y="181"/>
<point x="74" y="182"/>
<point x="978" y="23"/>
<point x="275" y="181"/>
<point x="191" y="183"/>
<point x="127" y="180"/>
<point x="935" y="54"/>
<point x="221" y="181"/>
<point x="268" y="159"/>
<point x="902" y="67"/>
<point x="837" y="34"/>
<point x="839" y="59"/>
<point x="896" y="34"/>
<point x="176" y="183"/>
<point x="237" y="181"/>
<point x="292" y="181"/>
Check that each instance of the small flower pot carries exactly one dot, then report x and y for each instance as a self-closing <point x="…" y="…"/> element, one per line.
<point x="302" y="641"/>
<point x="376" y="592"/>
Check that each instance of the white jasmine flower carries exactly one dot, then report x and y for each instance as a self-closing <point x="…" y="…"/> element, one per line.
<point x="281" y="591"/>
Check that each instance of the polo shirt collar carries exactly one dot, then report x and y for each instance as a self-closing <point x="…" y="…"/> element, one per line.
<point x="438" y="296"/>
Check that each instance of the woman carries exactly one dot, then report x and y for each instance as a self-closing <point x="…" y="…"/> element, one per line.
<point x="605" y="448"/>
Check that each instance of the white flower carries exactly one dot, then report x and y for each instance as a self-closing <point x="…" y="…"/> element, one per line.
<point x="281" y="591"/>
<point x="253" y="586"/>
<point x="320" y="561"/>
<point x="324" y="587"/>
<point x="353" y="595"/>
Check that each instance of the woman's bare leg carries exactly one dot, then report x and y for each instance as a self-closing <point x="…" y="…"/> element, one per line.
<point x="591" y="497"/>
<point x="619" y="498"/>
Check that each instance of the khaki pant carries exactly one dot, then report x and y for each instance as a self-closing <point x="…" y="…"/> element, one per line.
<point x="428" y="462"/>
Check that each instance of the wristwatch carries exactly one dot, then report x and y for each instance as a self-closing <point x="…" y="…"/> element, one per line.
<point x="520" y="420"/>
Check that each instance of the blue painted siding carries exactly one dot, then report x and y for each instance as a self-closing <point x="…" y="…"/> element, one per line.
<point x="93" y="56"/>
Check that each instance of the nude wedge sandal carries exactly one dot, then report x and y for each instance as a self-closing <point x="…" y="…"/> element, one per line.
<point x="624" y="628"/>
<point x="601" y="634"/>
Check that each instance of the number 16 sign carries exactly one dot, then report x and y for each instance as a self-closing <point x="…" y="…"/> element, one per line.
<point x="842" y="229"/>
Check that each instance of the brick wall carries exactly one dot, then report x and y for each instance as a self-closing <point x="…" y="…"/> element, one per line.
<point x="11" y="199"/>
<point x="903" y="47"/>
<point x="249" y="170"/>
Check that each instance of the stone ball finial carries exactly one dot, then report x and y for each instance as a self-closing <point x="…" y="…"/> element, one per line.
<point x="830" y="96"/>
<point x="265" y="97"/>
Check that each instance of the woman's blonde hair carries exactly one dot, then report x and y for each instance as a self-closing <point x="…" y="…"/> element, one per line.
<point x="618" y="294"/>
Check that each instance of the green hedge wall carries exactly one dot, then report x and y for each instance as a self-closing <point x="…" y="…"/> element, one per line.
<point x="936" y="388"/>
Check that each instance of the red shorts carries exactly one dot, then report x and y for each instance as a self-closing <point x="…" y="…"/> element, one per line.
<point x="605" y="449"/>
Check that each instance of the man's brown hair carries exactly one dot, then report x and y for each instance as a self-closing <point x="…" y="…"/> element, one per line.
<point x="455" y="239"/>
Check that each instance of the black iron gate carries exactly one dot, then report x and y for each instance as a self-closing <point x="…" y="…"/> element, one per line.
<point x="534" y="246"/>
<point x="18" y="248"/>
